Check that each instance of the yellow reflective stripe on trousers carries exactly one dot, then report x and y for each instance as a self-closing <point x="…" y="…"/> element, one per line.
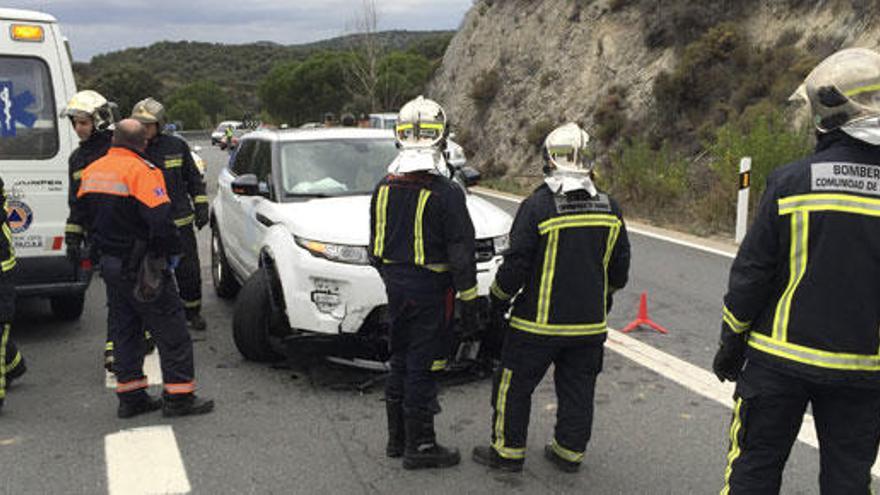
<point x="73" y="228"/>
<point x="583" y="220"/>
<point x="568" y="455"/>
<point x="468" y="295"/>
<point x="735" y="451"/>
<point x="192" y="304"/>
<point x="381" y="217"/>
<point x="8" y="263"/>
<point x="546" y="287"/>
<point x="814" y="357"/>
<point x="183" y="222"/>
<point x="733" y="322"/>
<point x="4" y="342"/>
<point x="15" y="362"/>
<point x="843" y="203"/>
<point x="438" y="365"/>
<point x="200" y="199"/>
<point x="418" y="229"/>
<point x="499" y="292"/>
<point x="500" y="409"/>
<point x="800" y="227"/>
<point x="559" y="330"/>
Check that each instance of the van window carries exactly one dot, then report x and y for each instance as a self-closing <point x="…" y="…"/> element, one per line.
<point x="28" y="120"/>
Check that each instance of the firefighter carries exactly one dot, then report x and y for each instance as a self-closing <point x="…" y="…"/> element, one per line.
<point x="799" y="322"/>
<point x="128" y="214"/>
<point x="12" y="364"/>
<point x="422" y="243"/>
<point x="91" y="116"/>
<point x="186" y="188"/>
<point x="568" y="253"/>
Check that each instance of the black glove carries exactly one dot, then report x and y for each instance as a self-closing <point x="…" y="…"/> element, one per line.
<point x="470" y="325"/>
<point x="74" y="247"/>
<point x="202" y="215"/>
<point x="729" y="359"/>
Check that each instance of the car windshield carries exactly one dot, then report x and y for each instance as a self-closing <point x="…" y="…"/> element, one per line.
<point x="335" y="167"/>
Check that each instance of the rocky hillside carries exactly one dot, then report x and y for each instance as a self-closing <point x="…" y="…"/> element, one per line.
<point x="668" y="71"/>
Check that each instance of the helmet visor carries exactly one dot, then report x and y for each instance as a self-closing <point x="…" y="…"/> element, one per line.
<point x="420" y="133"/>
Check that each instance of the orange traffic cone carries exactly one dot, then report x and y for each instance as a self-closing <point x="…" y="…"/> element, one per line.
<point x="643" y="319"/>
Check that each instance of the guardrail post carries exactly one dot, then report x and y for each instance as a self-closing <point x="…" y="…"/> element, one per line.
<point x="742" y="201"/>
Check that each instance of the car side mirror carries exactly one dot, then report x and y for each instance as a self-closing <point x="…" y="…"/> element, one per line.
<point x="249" y="185"/>
<point x="471" y="176"/>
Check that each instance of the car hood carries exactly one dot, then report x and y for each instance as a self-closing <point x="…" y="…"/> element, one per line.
<point x="346" y="220"/>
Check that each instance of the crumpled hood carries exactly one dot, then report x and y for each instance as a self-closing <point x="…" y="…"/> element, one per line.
<point x="346" y="220"/>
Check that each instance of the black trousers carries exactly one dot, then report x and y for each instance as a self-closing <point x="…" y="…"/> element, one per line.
<point x="767" y="416"/>
<point x="189" y="275"/>
<point x="10" y="357"/>
<point x="420" y="307"/>
<point x="525" y="359"/>
<point x="126" y="319"/>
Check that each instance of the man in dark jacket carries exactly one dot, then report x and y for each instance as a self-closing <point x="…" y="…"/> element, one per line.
<point x="129" y="219"/>
<point x="568" y="253"/>
<point x="422" y="242"/>
<point x="186" y="188"/>
<point x="11" y="362"/>
<point x="800" y="318"/>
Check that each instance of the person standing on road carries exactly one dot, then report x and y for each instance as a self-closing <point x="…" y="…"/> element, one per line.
<point x="128" y="215"/>
<point x="569" y="252"/>
<point x="800" y="318"/>
<point x="186" y="189"/>
<point x="12" y="364"/>
<point x="422" y="243"/>
<point x="91" y="116"/>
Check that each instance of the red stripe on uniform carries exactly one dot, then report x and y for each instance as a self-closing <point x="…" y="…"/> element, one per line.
<point x="180" y="388"/>
<point x="131" y="386"/>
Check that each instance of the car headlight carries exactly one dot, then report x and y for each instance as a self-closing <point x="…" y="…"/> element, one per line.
<point x="354" y="255"/>
<point x="501" y="243"/>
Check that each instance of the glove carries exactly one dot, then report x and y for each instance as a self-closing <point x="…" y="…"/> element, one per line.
<point x="202" y="216"/>
<point x="173" y="262"/>
<point x="497" y="308"/>
<point x="469" y="321"/>
<point x="74" y="247"/>
<point x="730" y="358"/>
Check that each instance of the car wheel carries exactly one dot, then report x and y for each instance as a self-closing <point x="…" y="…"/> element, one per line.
<point x="253" y="318"/>
<point x="225" y="284"/>
<point x="68" y="308"/>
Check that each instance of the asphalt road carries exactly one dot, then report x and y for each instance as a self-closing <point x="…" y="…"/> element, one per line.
<point x="304" y="429"/>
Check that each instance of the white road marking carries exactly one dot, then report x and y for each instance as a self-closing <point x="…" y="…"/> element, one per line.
<point x="685" y="374"/>
<point x="629" y="228"/>
<point x="143" y="461"/>
<point x="151" y="369"/>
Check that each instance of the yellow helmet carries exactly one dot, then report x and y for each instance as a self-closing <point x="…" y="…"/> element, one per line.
<point x="149" y="111"/>
<point x="93" y="105"/>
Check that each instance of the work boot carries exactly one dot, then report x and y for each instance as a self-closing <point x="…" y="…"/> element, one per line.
<point x="560" y="463"/>
<point x="15" y="373"/>
<point x="130" y="407"/>
<point x="396" y="429"/>
<point x="422" y="450"/>
<point x="487" y="456"/>
<point x="196" y="322"/>
<point x="186" y="405"/>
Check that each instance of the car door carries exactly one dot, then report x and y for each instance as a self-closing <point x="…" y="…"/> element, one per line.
<point x="255" y="225"/>
<point x="231" y="220"/>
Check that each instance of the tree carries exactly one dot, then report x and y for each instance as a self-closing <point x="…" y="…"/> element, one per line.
<point x="207" y="94"/>
<point x="126" y="85"/>
<point x="297" y="93"/>
<point x="366" y="52"/>
<point x="188" y="112"/>
<point x="402" y="77"/>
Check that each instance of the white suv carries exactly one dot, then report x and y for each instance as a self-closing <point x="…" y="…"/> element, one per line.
<point x="290" y="228"/>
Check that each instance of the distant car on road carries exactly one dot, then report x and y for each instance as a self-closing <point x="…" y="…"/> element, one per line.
<point x="290" y="228"/>
<point x="383" y="120"/>
<point x="220" y="132"/>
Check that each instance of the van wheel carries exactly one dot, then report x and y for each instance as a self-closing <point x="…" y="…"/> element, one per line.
<point x="253" y="319"/>
<point x="68" y="308"/>
<point x="225" y="284"/>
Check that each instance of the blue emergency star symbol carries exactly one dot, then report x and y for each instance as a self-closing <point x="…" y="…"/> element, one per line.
<point x="13" y="109"/>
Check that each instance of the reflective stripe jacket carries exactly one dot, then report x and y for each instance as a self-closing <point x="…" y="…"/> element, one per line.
<point x="566" y="252"/>
<point x="89" y="150"/>
<point x="422" y="219"/>
<point x="186" y="186"/>
<point x="125" y="200"/>
<point x="805" y="285"/>
<point x="7" y="249"/>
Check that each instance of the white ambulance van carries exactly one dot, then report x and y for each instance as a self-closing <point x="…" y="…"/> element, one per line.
<point x="36" y="81"/>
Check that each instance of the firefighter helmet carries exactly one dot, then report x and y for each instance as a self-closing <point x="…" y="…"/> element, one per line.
<point x="566" y="150"/>
<point x="149" y="111"/>
<point x="421" y="124"/>
<point x="92" y="105"/>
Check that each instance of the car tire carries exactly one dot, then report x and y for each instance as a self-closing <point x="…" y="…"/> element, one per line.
<point x="68" y="308"/>
<point x="252" y="320"/>
<point x="225" y="284"/>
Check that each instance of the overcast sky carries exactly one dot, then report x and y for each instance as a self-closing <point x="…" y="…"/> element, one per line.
<point x="96" y="26"/>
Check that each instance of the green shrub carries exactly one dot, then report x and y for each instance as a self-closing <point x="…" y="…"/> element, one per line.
<point x="610" y="115"/>
<point x="537" y="133"/>
<point x="484" y="88"/>
<point x="652" y="180"/>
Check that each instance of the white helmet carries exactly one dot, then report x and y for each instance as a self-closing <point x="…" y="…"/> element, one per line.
<point x="421" y="124"/>
<point x="565" y="150"/>
<point x="90" y="104"/>
<point x="844" y="93"/>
